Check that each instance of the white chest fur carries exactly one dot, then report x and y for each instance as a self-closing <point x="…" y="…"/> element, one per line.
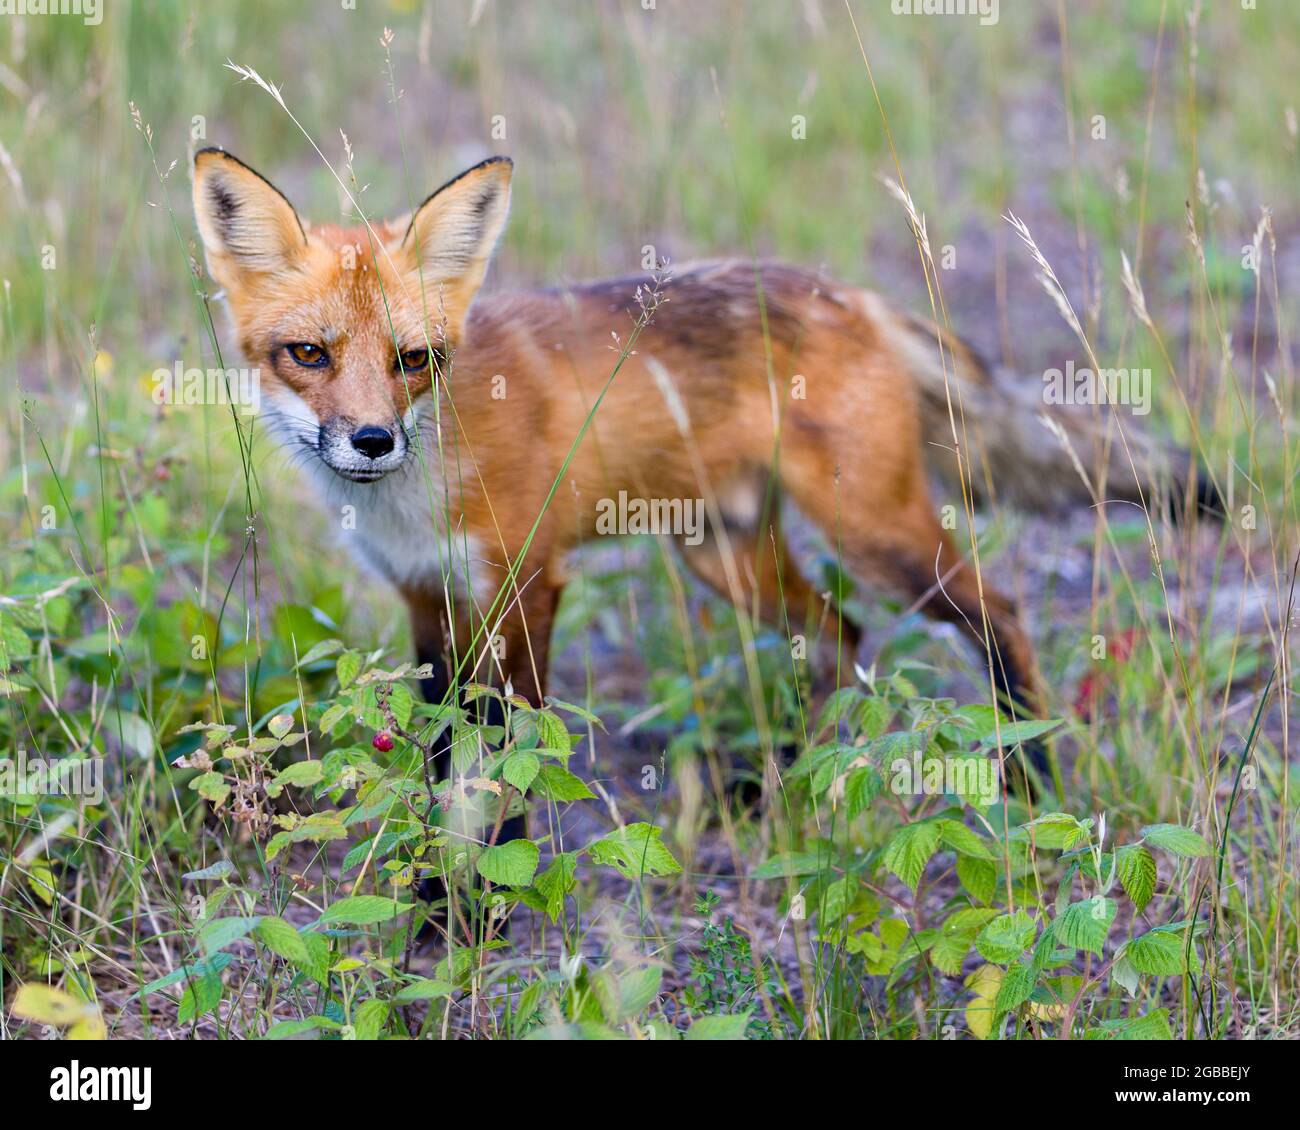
<point x="403" y="527"/>
<point x="399" y="527"/>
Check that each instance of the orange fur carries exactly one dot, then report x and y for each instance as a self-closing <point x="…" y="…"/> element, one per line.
<point x="745" y="376"/>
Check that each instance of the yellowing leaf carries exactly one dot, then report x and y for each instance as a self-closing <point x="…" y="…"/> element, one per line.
<point x="985" y="982"/>
<point x="46" y="1005"/>
<point x="89" y="1028"/>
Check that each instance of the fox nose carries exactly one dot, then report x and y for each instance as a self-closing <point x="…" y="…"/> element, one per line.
<point x="373" y="442"/>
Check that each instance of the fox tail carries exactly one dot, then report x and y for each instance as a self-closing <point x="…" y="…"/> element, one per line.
<point x="1039" y="457"/>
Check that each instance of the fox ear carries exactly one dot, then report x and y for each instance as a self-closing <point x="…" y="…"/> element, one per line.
<point x="452" y="235"/>
<point x="247" y="225"/>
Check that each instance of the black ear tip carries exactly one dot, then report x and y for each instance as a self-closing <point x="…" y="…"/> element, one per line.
<point x="497" y="161"/>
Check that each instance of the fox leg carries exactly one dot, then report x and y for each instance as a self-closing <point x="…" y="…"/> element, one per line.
<point x="516" y="653"/>
<point x="925" y="564"/>
<point x="768" y="582"/>
<point x="903" y="546"/>
<point x="432" y="636"/>
<point x="930" y="569"/>
<point x="755" y="571"/>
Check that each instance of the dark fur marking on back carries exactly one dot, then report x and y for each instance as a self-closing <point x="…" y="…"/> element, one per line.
<point x="708" y="307"/>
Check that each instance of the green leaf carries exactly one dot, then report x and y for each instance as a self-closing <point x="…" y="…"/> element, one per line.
<point x="552" y="732"/>
<point x="328" y="721"/>
<point x="15" y="644"/>
<point x="1161" y="952"/>
<point x="1058" y="830"/>
<point x="634" y="851"/>
<point x="218" y="870"/>
<point x="963" y="840"/>
<point x="978" y="877"/>
<point x="211" y="787"/>
<point x="839" y="707"/>
<point x="301" y="774"/>
<point x="363" y="910"/>
<point x="401" y="702"/>
<point x="317" y="965"/>
<point x="554" y="782"/>
<point x="583" y="1030"/>
<point x="520" y="769"/>
<point x="861" y="787"/>
<point x="280" y="725"/>
<point x="969" y="920"/>
<point x="1153" y="1026"/>
<point x="200" y="998"/>
<point x="281" y="938"/>
<point x="1006" y="937"/>
<point x="1123" y="973"/>
<point x="369" y="1018"/>
<point x="201" y="968"/>
<point x="1016" y="987"/>
<point x="472" y="692"/>
<point x="377" y="849"/>
<point x="1047" y="954"/>
<point x="1085" y="925"/>
<point x="347" y="668"/>
<point x="793" y="864"/>
<point x="423" y="990"/>
<point x="1023" y="731"/>
<point x="1176" y="840"/>
<point x="556" y="882"/>
<point x="221" y="932"/>
<point x="568" y="707"/>
<point x="1137" y="874"/>
<point x="949" y="952"/>
<point x="289" y="1029"/>
<point x="719" y="1027"/>
<point x="622" y="995"/>
<point x="973" y="777"/>
<point x="835" y="900"/>
<point x="510" y="864"/>
<point x="136" y="734"/>
<point x="909" y="850"/>
<point x="317" y="828"/>
<point x="322" y="650"/>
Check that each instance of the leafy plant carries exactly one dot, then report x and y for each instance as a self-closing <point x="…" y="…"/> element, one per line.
<point x="1050" y="962"/>
<point x="396" y="825"/>
<point x="724" y="973"/>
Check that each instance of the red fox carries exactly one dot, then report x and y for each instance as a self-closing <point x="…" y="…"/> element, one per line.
<point x="457" y="426"/>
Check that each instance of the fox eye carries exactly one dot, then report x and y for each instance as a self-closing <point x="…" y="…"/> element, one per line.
<point x="308" y="355"/>
<point x="413" y="360"/>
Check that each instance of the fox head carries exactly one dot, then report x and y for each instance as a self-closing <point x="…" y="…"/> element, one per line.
<point x="348" y="326"/>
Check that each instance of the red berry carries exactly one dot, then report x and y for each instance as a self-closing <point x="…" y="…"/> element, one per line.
<point x="383" y="741"/>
